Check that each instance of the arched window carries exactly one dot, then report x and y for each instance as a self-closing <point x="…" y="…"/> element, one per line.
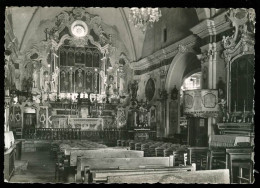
<point x="242" y="83"/>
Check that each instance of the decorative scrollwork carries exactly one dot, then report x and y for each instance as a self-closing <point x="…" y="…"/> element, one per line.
<point x="242" y="41"/>
<point x="18" y="117"/>
<point x="182" y="48"/>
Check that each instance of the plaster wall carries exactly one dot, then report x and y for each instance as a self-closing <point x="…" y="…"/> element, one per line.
<point x="177" y="22"/>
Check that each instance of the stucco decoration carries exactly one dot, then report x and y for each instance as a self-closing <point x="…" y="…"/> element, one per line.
<point x="78" y="20"/>
<point x="242" y="41"/>
<point x="182" y="48"/>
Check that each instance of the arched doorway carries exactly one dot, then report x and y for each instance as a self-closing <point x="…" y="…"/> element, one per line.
<point x="183" y="65"/>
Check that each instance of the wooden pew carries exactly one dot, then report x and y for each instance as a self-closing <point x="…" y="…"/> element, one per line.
<point x="66" y="160"/>
<point x="103" y="153"/>
<point x="203" y="176"/>
<point x="84" y="165"/>
<point x="70" y="160"/>
<point x="100" y="176"/>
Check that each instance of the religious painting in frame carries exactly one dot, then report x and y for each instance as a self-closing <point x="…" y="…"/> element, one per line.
<point x="149" y="89"/>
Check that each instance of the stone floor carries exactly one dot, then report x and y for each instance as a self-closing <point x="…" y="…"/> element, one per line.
<point x="40" y="169"/>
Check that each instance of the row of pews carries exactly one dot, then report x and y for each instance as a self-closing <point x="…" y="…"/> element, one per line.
<point x="181" y="153"/>
<point x="90" y="162"/>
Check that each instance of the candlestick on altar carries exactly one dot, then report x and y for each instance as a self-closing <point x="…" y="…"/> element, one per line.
<point x="235" y="107"/>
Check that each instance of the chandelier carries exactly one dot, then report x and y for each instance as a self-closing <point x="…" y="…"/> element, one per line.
<point x="144" y="17"/>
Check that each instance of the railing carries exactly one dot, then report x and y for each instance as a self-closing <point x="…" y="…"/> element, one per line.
<point x="52" y="134"/>
<point x="110" y="134"/>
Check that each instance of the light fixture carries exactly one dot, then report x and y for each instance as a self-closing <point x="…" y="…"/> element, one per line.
<point x="144" y="17"/>
<point x="79" y="28"/>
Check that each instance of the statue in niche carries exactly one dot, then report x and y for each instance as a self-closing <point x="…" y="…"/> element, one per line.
<point x="71" y="81"/>
<point x="27" y="84"/>
<point x="80" y="79"/>
<point x="53" y="83"/>
<point x="111" y="85"/>
<point x="134" y="88"/>
<point x="35" y="76"/>
<point x="54" y="80"/>
<point x="64" y="86"/>
<point x="121" y="85"/>
<point x="46" y="81"/>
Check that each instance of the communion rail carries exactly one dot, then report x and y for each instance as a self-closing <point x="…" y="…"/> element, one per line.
<point x="109" y="134"/>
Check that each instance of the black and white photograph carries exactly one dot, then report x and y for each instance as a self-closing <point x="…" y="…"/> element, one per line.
<point x="133" y="95"/>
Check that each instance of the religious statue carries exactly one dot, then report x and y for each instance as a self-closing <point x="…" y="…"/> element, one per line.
<point x="54" y="79"/>
<point x="80" y="80"/>
<point x="221" y="88"/>
<point x="134" y="88"/>
<point x="223" y="109"/>
<point x="70" y="81"/>
<point x="27" y="84"/>
<point x="35" y="76"/>
<point x="64" y="82"/>
<point x="45" y="87"/>
<point x="53" y="83"/>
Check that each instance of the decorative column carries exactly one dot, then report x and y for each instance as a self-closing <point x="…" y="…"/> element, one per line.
<point x="206" y="30"/>
<point x="163" y="100"/>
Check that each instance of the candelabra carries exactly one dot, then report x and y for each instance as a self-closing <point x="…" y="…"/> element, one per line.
<point x="144" y="17"/>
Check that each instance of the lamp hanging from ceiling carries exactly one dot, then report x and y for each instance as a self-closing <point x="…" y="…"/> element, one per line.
<point x="144" y="17"/>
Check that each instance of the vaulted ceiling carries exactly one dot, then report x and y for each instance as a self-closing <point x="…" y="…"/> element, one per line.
<point x="26" y="22"/>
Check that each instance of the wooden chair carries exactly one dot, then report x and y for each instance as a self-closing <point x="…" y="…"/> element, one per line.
<point x="198" y="155"/>
<point x="217" y="157"/>
<point x="241" y="157"/>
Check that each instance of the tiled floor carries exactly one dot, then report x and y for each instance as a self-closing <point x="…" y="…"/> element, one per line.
<point x="40" y="169"/>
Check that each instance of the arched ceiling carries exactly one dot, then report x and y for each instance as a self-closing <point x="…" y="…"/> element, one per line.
<point x="26" y="21"/>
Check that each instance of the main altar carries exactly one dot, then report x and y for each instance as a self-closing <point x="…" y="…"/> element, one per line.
<point x="74" y="78"/>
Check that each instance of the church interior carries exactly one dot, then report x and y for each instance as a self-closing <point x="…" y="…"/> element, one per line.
<point x="129" y="95"/>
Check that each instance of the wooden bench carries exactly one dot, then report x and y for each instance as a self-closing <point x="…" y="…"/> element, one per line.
<point x="70" y="159"/>
<point x="103" y="153"/>
<point x="84" y="165"/>
<point x="203" y="176"/>
<point x="101" y="176"/>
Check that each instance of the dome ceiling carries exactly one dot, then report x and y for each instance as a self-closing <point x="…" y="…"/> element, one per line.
<point x="29" y="24"/>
